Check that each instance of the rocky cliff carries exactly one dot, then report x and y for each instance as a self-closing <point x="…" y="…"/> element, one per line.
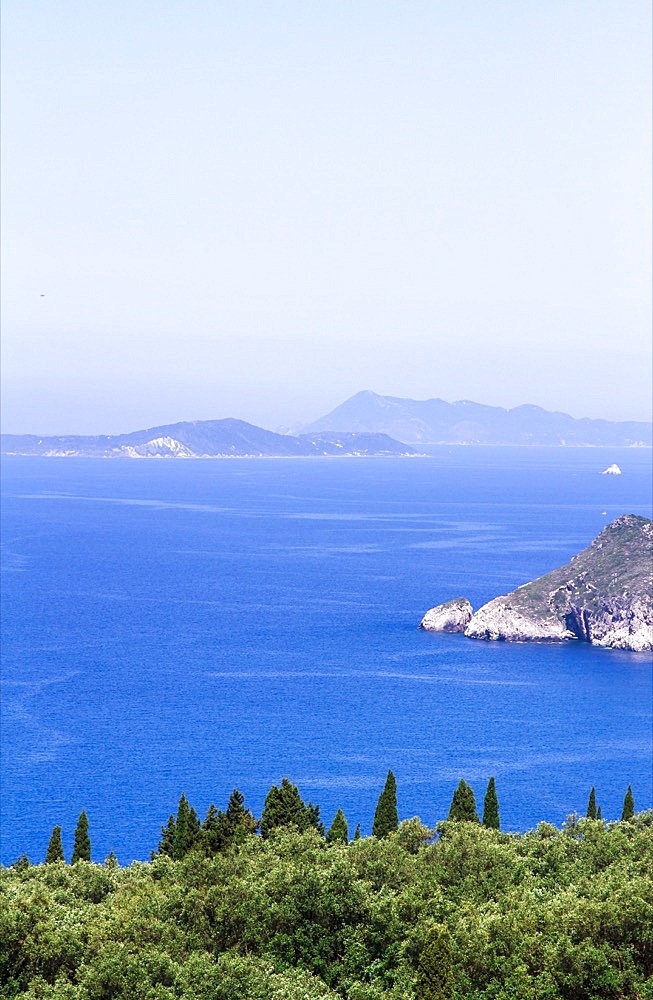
<point x="603" y="596"/>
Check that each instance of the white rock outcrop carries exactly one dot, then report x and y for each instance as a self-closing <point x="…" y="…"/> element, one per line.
<point x="617" y="625"/>
<point x="452" y="616"/>
<point x="161" y="447"/>
<point x="612" y="470"/>
<point x="497" y="620"/>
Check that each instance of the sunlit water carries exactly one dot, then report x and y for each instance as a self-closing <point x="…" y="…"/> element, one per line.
<point x="201" y="625"/>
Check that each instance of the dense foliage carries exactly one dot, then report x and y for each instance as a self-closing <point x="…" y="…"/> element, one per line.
<point x="470" y="913"/>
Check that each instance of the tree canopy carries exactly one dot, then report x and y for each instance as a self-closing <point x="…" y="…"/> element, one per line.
<point x="435" y="969"/>
<point x="474" y="914"/>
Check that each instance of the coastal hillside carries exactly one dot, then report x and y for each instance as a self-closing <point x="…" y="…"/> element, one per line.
<point x="202" y="439"/>
<point x="472" y="914"/>
<point x="604" y="596"/>
<point x="434" y="421"/>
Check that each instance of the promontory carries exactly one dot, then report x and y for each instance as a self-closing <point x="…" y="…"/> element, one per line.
<point x="604" y="596"/>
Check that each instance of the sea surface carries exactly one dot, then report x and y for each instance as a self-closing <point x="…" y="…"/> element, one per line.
<point x="199" y="625"/>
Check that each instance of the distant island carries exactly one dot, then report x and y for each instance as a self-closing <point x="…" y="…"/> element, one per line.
<point x="434" y="421"/>
<point x="227" y="438"/>
<point x="364" y="425"/>
<point x="604" y="596"/>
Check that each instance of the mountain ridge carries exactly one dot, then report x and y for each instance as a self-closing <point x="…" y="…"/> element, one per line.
<point x="435" y="421"/>
<point x="224" y="438"/>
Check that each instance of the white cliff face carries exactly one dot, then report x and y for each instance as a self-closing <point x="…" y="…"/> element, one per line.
<point x="161" y="446"/>
<point x="453" y="616"/>
<point x="498" y="620"/>
<point x="620" y="624"/>
<point x="612" y="470"/>
<point x="617" y="625"/>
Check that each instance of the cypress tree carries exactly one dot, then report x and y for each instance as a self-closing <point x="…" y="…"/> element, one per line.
<point x="22" y="863"/>
<point x="338" y="831"/>
<point x="386" y="818"/>
<point x="284" y="806"/>
<point x="220" y="829"/>
<point x="211" y="837"/>
<point x="193" y="828"/>
<point x="629" y="805"/>
<point x="236" y="806"/>
<point x="240" y="822"/>
<point x="236" y="812"/>
<point x="491" y="807"/>
<point x="186" y="829"/>
<point x="599" y="814"/>
<point x="82" y="846"/>
<point x="313" y="818"/>
<point x="591" y="805"/>
<point x="463" y="804"/>
<point x="357" y="832"/>
<point x="55" y="847"/>
<point x="111" y="861"/>
<point x="166" y="843"/>
<point x="434" y="970"/>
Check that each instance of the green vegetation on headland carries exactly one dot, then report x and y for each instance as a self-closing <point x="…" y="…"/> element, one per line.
<point x="603" y="596"/>
<point x="221" y="913"/>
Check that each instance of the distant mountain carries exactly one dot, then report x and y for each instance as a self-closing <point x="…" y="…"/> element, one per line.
<point x="434" y="421"/>
<point x="202" y="439"/>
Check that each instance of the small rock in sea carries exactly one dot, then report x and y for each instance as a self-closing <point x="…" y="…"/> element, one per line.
<point x="612" y="470"/>
<point x="452" y="616"/>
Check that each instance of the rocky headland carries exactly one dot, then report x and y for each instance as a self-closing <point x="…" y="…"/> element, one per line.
<point x="604" y="596"/>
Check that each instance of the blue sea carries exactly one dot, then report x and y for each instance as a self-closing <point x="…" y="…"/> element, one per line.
<point x="199" y="625"/>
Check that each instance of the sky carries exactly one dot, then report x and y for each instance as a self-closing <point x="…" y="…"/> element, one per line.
<point x="258" y="208"/>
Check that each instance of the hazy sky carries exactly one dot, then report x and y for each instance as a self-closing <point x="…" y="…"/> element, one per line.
<point x="256" y="209"/>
